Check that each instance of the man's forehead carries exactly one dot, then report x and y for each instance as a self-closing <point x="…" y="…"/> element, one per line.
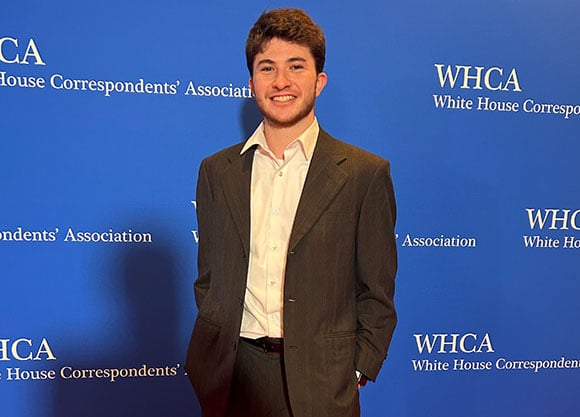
<point x="282" y="44"/>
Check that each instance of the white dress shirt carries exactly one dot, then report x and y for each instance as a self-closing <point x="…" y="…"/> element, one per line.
<point x="276" y="188"/>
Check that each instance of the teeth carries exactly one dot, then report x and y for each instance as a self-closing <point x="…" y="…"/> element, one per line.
<point x="283" y="98"/>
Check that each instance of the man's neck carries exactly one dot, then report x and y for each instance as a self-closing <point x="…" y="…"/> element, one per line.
<point x="279" y="137"/>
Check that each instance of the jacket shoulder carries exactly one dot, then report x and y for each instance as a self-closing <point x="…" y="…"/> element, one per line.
<point x="352" y="153"/>
<point x="225" y="154"/>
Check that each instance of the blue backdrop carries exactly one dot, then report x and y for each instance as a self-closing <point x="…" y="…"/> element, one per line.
<point x="106" y="110"/>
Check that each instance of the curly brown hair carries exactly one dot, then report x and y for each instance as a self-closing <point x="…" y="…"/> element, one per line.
<point x="291" y="25"/>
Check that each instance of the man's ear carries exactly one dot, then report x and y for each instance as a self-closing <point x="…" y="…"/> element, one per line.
<point x="321" y="80"/>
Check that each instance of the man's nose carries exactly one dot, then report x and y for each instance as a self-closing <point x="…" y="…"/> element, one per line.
<point x="281" y="81"/>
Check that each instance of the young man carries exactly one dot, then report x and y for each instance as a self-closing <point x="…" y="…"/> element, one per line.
<point x="297" y="255"/>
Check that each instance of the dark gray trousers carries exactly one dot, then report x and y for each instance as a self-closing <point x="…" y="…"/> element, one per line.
<point x="259" y="384"/>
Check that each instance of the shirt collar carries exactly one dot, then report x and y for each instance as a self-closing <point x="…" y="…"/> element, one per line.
<point x="307" y="139"/>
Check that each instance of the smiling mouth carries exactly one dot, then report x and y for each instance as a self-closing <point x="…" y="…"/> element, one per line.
<point x="283" y="98"/>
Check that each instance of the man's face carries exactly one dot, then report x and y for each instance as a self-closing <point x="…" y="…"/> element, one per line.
<point x="285" y="83"/>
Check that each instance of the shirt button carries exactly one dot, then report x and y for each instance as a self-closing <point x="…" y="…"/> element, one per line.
<point x="276" y="211"/>
<point x="280" y="173"/>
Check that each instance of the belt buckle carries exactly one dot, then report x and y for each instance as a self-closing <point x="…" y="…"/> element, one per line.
<point x="267" y="346"/>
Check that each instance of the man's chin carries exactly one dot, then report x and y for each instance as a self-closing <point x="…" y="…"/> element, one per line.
<point x="286" y="122"/>
<point x="282" y="124"/>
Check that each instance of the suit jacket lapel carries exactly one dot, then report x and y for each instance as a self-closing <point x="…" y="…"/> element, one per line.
<point x="236" y="184"/>
<point x="325" y="178"/>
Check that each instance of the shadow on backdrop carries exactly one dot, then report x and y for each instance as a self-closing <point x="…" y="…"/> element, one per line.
<point x="250" y="118"/>
<point x="144" y="282"/>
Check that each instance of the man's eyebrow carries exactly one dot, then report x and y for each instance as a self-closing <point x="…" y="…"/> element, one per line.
<point x="297" y="59"/>
<point x="267" y="61"/>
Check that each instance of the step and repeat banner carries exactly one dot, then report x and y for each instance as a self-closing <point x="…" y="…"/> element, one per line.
<point x="108" y="108"/>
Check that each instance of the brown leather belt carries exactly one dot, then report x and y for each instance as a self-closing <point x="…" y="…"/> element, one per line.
<point x="267" y="344"/>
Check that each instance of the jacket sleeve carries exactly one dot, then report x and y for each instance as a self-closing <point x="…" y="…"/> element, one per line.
<point x="204" y="219"/>
<point x="376" y="266"/>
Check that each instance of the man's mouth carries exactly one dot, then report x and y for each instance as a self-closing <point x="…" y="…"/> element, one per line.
<point x="283" y="98"/>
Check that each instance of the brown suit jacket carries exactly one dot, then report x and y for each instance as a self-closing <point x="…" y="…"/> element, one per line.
<point x="339" y="313"/>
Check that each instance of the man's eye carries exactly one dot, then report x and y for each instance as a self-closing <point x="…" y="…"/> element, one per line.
<point x="297" y="66"/>
<point x="266" y="69"/>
